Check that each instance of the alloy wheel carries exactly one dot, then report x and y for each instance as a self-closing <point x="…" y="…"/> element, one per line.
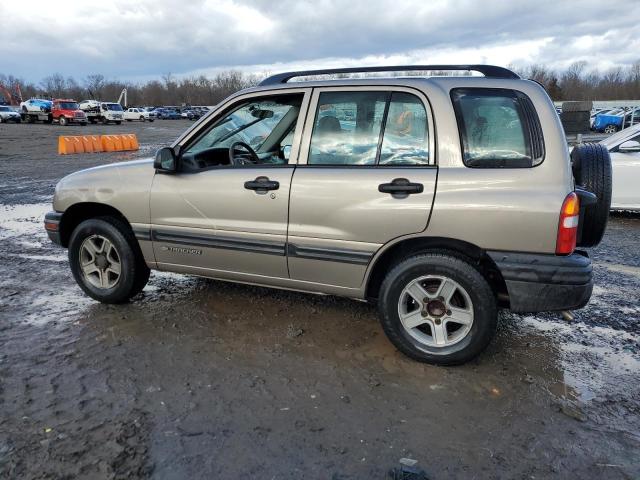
<point x="436" y="311"/>
<point x="100" y="262"/>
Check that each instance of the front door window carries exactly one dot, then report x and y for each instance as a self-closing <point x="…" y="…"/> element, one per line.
<point x="265" y="125"/>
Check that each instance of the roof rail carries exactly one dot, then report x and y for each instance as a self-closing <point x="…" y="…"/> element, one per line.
<point x="487" y="70"/>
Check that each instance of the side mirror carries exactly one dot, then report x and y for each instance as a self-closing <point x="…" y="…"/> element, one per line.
<point x="286" y="152"/>
<point x="166" y="160"/>
<point x="629" y="146"/>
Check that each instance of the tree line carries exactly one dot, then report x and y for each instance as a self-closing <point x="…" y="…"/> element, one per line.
<point x="577" y="82"/>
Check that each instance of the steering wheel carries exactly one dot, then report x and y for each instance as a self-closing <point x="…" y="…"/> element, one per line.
<point x="249" y="157"/>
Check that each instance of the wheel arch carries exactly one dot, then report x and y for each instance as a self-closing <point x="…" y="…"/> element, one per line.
<point x="408" y="247"/>
<point x="79" y="212"/>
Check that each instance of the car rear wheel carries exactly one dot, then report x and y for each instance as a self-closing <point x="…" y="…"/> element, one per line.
<point x="591" y="165"/>
<point x="106" y="260"/>
<point x="437" y="308"/>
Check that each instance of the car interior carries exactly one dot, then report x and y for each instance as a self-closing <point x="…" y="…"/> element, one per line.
<point x="253" y="133"/>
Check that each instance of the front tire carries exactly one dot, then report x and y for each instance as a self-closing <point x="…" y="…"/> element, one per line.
<point x="610" y="129"/>
<point x="437" y="308"/>
<point x="142" y="119"/>
<point x="106" y="260"/>
<point x="63" y="121"/>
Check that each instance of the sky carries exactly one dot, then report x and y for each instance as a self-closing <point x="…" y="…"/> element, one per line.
<point x="138" y="40"/>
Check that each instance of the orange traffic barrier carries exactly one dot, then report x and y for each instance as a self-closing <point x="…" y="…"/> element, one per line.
<point x="95" y="143"/>
<point x="107" y="143"/>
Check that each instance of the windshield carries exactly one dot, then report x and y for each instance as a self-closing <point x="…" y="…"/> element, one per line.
<point x="115" y="107"/>
<point x="68" y="106"/>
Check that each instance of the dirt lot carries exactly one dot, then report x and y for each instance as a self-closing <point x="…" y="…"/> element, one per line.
<point x="201" y="379"/>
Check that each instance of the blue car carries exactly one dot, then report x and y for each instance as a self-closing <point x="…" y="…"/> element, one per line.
<point x="611" y="123"/>
<point x="36" y="105"/>
<point x="608" y="123"/>
<point x="167" y="114"/>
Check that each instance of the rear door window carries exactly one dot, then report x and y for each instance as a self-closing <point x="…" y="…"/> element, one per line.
<point x="499" y="128"/>
<point x="369" y="129"/>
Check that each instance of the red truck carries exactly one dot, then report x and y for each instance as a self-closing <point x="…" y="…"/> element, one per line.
<point x="61" y="110"/>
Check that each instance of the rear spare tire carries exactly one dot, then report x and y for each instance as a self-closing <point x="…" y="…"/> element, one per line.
<point x="591" y="166"/>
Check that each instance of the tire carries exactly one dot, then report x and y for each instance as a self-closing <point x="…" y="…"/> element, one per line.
<point x="118" y="122"/>
<point x="63" y="121"/>
<point x="105" y="121"/>
<point x="610" y="129"/>
<point x="591" y="166"/>
<point x="121" y="245"/>
<point x="1" y="119"/>
<point x="471" y="294"/>
<point x="142" y="119"/>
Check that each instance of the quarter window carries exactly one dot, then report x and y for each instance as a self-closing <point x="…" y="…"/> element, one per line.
<point x="498" y="128"/>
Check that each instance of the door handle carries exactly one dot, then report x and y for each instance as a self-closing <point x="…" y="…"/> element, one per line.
<point x="400" y="188"/>
<point x="262" y="185"/>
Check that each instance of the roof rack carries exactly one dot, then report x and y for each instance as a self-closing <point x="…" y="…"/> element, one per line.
<point x="490" y="71"/>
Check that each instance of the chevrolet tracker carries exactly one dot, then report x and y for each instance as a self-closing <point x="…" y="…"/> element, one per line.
<point x="442" y="199"/>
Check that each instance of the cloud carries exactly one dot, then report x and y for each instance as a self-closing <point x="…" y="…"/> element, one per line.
<point x="146" y="38"/>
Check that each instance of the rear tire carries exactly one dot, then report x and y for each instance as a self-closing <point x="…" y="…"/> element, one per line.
<point x="591" y="166"/>
<point x="454" y="320"/>
<point x="106" y="260"/>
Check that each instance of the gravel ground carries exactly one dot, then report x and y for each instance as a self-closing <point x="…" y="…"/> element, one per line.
<point x="201" y="379"/>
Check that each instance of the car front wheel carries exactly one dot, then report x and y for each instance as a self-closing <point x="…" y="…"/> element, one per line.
<point x="106" y="261"/>
<point x="437" y="308"/>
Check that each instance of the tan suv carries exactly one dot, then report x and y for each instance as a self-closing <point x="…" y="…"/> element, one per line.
<point x="440" y="198"/>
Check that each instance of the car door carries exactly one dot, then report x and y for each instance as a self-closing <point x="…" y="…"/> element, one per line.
<point x="230" y="220"/>
<point x="366" y="175"/>
<point x="626" y="178"/>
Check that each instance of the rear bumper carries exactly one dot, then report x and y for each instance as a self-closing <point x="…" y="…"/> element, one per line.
<point x="52" y="226"/>
<point x="538" y="283"/>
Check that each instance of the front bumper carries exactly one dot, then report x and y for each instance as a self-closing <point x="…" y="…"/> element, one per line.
<point x="538" y="282"/>
<point x="52" y="226"/>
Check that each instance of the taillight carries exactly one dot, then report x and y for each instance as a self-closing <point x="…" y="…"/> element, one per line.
<point x="568" y="225"/>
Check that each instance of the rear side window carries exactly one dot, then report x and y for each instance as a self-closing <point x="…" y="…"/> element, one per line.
<point x="369" y="129"/>
<point x="499" y="128"/>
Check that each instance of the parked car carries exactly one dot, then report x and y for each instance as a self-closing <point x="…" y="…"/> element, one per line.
<point x="172" y="115"/>
<point x="617" y="120"/>
<point x="140" y="114"/>
<point x="435" y="205"/>
<point x="190" y="114"/>
<point x="7" y="114"/>
<point x="624" y="148"/>
<point x="167" y="114"/>
<point x="36" y="105"/>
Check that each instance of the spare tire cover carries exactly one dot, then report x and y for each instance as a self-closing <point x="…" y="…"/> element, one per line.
<point x="591" y="166"/>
